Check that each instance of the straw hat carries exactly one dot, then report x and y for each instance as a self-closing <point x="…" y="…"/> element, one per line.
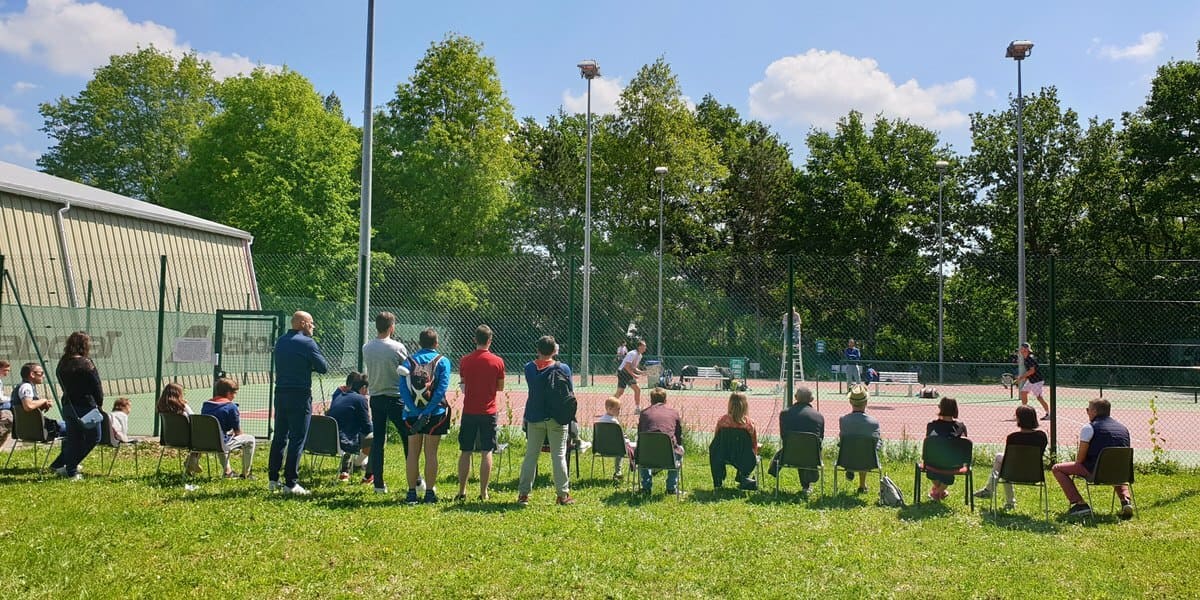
<point x="858" y="396"/>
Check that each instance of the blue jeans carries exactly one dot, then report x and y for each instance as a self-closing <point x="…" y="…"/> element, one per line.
<point x="77" y="443"/>
<point x="672" y="477"/>
<point x="292" y="411"/>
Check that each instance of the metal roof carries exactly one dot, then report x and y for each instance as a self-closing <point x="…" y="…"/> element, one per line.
<point x="35" y="184"/>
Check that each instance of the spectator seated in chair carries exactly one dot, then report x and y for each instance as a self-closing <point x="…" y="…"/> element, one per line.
<point x="946" y="425"/>
<point x="660" y="418"/>
<point x="858" y="423"/>
<point x="223" y="408"/>
<point x="726" y="450"/>
<point x="349" y="409"/>
<point x="612" y="414"/>
<point x="800" y="417"/>
<point x="1102" y="431"/>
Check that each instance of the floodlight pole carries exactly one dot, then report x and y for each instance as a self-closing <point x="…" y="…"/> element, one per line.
<point x="364" y="218"/>
<point x="941" y="166"/>
<point x="661" y="172"/>
<point x="589" y="70"/>
<point x="1019" y="50"/>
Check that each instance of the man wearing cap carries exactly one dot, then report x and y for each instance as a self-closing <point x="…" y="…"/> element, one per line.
<point x="1031" y="380"/>
<point x="859" y="423"/>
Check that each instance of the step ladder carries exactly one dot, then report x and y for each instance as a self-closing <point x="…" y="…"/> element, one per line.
<point x="797" y="360"/>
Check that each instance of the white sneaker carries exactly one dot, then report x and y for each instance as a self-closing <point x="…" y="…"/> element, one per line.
<point x="60" y="471"/>
<point x="381" y="491"/>
<point x="274" y="486"/>
<point x="420" y="487"/>
<point x="187" y="487"/>
<point x="296" y="490"/>
<point x="76" y="477"/>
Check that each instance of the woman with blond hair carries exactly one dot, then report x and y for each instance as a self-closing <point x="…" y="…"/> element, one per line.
<point x="721" y="452"/>
<point x="171" y="401"/>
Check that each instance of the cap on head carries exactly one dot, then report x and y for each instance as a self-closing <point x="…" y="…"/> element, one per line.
<point x="858" y="396"/>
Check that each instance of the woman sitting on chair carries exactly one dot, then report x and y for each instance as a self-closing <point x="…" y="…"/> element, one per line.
<point x="946" y="425"/>
<point x="1027" y="434"/>
<point x="171" y="401"/>
<point x="737" y="417"/>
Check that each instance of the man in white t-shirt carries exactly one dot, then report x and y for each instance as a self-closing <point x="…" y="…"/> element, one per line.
<point x="628" y="373"/>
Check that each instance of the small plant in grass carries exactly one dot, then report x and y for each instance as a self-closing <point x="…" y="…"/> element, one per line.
<point x="1159" y="463"/>
<point x="904" y="450"/>
<point x="767" y="449"/>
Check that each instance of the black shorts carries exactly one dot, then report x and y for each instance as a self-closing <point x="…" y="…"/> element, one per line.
<point x="624" y="379"/>
<point x="438" y="425"/>
<point x="477" y="433"/>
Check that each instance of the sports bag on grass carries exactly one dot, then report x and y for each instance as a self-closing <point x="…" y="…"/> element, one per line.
<point x="561" y="404"/>
<point x="890" y="494"/>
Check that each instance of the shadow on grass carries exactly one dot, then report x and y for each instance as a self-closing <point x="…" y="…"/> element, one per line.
<point x="628" y="498"/>
<point x="923" y="511"/>
<point x="1018" y="521"/>
<point x="1178" y="497"/>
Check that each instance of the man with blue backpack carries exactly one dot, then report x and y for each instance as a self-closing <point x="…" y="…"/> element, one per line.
<point x="426" y="415"/>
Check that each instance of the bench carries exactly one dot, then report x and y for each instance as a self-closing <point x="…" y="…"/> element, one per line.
<point x="904" y="377"/>
<point x="689" y="380"/>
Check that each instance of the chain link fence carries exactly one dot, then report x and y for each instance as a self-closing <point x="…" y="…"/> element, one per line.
<point x="1123" y="329"/>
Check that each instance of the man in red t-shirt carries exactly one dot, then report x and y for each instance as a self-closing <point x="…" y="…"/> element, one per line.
<point x="482" y="376"/>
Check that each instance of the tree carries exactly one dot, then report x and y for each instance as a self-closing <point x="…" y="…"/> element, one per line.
<point x="655" y="128"/>
<point x="128" y="130"/>
<point x="550" y="191"/>
<point x="275" y="163"/>
<point x="444" y="164"/>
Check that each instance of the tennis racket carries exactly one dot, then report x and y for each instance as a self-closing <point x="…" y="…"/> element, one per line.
<point x="1006" y="380"/>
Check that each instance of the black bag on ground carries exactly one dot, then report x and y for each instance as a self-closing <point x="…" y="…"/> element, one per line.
<point x="561" y="404"/>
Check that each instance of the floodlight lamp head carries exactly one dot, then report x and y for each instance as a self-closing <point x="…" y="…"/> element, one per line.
<point x="941" y="166"/>
<point x="589" y="69"/>
<point x="660" y="171"/>
<point x="1019" y="49"/>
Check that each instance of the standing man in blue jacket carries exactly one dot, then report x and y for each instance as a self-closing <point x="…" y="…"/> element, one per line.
<point x="423" y="391"/>
<point x="296" y="358"/>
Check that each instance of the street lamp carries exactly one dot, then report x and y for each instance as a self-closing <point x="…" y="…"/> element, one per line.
<point x="589" y="70"/>
<point x="1019" y="50"/>
<point x="661" y="172"/>
<point x="941" y="167"/>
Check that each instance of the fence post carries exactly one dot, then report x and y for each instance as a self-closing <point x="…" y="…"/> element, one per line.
<point x="162" y="325"/>
<point x="571" y="314"/>
<point x="1053" y="363"/>
<point x="791" y="332"/>
<point x="87" y="309"/>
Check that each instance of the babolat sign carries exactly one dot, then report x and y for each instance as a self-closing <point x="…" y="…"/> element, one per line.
<point x="124" y="342"/>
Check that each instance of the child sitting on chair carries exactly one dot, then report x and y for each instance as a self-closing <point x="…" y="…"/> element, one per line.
<point x="120" y="420"/>
<point x="612" y="413"/>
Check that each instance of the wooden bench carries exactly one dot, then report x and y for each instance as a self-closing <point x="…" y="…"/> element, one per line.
<point x="904" y="377"/>
<point x="689" y="381"/>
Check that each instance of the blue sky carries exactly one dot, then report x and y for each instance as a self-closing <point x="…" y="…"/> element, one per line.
<point x="794" y="65"/>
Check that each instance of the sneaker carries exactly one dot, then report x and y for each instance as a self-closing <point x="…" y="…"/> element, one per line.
<point x="1126" y="511"/>
<point x="523" y="500"/>
<point x="79" y="477"/>
<point x="411" y="497"/>
<point x="484" y="497"/>
<point x="246" y="476"/>
<point x="983" y="494"/>
<point x="430" y="496"/>
<point x="460" y="498"/>
<point x="862" y="490"/>
<point x="938" y="495"/>
<point x="343" y="476"/>
<point x="1046" y="417"/>
<point x="748" y="484"/>
<point x="60" y="471"/>
<point x="382" y="491"/>
<point x="420" y="487"/>
<point x="617" y="478"/>
<point x="849" y="475"/>
<point x="1010" y="506"/>
<point x="1079" y="510"/>
<point x="232" y="475"/>
<point x="564" y="500"/>
<point x="368" y="478"/>
<point x="805" y="492"/>
<point x="296" y="490"/>
<point x="274" y="486"/>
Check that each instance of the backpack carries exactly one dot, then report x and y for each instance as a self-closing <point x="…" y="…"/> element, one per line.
<point x="890" y="494"/>
<point x="561" y="404"/>
<point x="421" y="379"/>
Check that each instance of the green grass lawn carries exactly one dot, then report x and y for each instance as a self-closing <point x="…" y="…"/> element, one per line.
<point x="134" y="537"/>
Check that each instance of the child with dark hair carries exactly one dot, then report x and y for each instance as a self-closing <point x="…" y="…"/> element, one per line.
<point x="1027" y="434"/>
<point x="349" y="409"/>
<point x="946" y="425"/>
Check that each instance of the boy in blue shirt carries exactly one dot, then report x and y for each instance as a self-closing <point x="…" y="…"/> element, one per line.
<point x="349" y="409"/>
<point x="226" y="411"/>
<point x="425" y="412"/>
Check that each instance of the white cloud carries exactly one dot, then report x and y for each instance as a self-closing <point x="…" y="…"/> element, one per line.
<point x="19" y="152"/>
<point x="72" y="37"/>
<point x="21" y="87"/>
<point x="9" y="121"/>
<point x="605" y="92"/>
<point x="1147" y="46"/>
<point x="819" y="87"/>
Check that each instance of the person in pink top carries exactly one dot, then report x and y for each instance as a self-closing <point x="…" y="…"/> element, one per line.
<point x="482" y="376"/>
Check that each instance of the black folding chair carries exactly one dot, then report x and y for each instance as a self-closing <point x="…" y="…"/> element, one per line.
<point x="1114" y="466"/>
<point x="30" y="428"/>
<point x="948" y="456"/>
<point x="608" y="441"/>
<point x="655" y="451"/>
<point x="802" y="451"/>
<point x="176" y="432"/>
<point x="857" y="453"/>
<point x="1022" y="465"/>
<point x="322" y="441"/>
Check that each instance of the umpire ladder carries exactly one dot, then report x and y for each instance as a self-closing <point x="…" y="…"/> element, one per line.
<point x="797" y="362"/>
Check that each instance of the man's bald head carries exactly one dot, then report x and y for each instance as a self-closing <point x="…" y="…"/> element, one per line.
<point x="302" y="321"/>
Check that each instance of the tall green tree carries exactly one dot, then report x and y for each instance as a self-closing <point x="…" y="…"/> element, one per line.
<point x="128" y="130"/>
<point x="444" y="162"/>
<point x="655" y="127"/>
<point x="276" y="163"/>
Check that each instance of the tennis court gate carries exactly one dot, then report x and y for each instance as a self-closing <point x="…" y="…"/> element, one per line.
<point x="244" y="344"/>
